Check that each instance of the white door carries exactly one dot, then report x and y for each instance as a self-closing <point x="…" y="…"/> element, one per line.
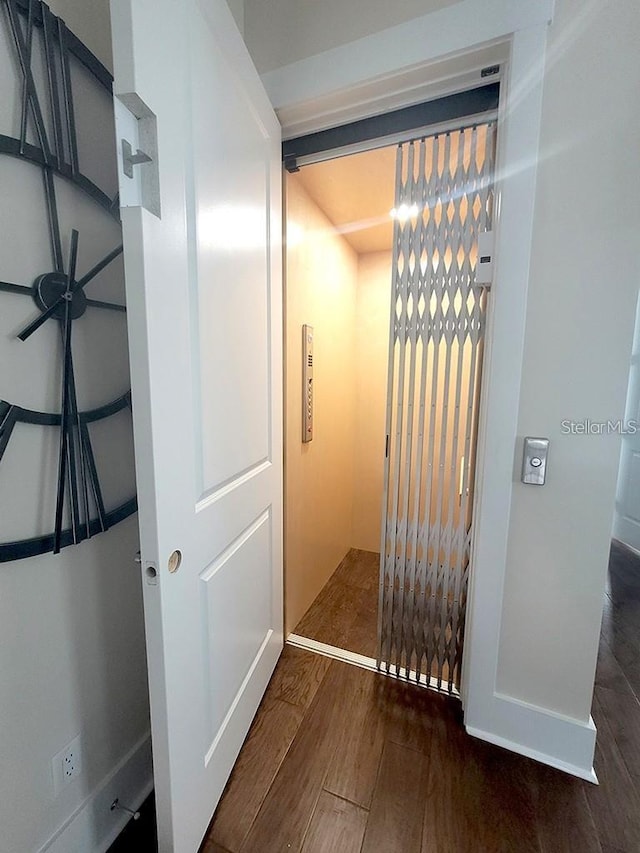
<point x="626" y="520"/>
<point x="204" y="297"/>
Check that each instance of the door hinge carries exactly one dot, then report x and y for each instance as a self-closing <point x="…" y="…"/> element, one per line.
<point x="137" y="131"/>
<point x="129" y="159"/>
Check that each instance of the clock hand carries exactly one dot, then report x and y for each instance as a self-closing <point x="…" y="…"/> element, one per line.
<point x="92" y="471"/>
<point x="67" y="455"/>
<point x="77" y="463"/>
<point x="98" y="303"/>
<point x="80" y="449"/>
<point x="64" y="420"/>
<point x="98" y="268"/>
<point x="73" y="260"/>
<point x="74" y="445"/>
<point x="32" y="327"/>
<point x="8" y="287"/>
<point x="22" y="289"/>
<point x="81" y="444"/>
<point x="7" y="423"/>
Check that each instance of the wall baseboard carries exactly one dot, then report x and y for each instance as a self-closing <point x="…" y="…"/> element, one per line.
<point x="537" y="733"/>
<point x="93" y="827"/>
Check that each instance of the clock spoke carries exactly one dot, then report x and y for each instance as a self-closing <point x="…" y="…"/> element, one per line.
<point x="111" y="306"/>
<point x="62" y="470"/>
<point x="72" y="483"/>
<point x="93" y="272"/>
<point x="33" y="326"/>
<point x="79" y="482"/>
<point x="52" y="216"/>
<point x="73" y="259"/>
<point x="8" y="419"/>
<point x="67" y="456"/>
<point x="70" y="427"/>
<point x="8" y="287"/>
<point x="64" y="429"/>
<point x="75" y="470"/>
<point x="93" y="477"/>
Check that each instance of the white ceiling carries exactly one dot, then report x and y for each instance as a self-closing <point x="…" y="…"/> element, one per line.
<point x="356" y="194"/>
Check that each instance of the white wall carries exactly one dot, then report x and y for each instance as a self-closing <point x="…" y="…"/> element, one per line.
<point x="583" y="285"/>
<point x="72" y="658"/>
<point x="626" y="521"/>
<point x="237" y="10"/>
<point x="90" y="20"/>
<point x="281" y="31"/>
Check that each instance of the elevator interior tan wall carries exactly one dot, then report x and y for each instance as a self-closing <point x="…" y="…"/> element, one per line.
<point x="372" y="355"/>
<point x="321" y="284"/>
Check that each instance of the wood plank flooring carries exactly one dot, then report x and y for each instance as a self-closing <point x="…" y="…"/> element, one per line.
<point x="345" y="612"/>
<point x="342" y="760"/>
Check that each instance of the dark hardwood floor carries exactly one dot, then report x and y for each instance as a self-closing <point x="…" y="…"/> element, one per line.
<point x="342" y="760"/>
<point x="345" y="612"/>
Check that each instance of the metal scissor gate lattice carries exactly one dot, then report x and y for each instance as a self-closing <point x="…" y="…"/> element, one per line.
<point x="444" y="199"/>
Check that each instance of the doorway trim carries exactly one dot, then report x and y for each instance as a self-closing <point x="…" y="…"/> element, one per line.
<point x="364" y="662"/>
<point x="399" y="66"/>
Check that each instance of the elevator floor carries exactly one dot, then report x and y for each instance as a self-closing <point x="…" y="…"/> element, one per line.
<point x="345" y="612"/>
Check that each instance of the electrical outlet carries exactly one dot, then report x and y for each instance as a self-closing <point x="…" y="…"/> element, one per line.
<point x="67" y="764"/>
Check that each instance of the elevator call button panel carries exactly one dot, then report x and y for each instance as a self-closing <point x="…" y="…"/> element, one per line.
<point x="307" y="383"/>
<point x="534" y="460"/>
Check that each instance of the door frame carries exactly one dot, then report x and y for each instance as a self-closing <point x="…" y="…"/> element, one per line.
<point x="406" y="64"/>
<point x="326" y="155"/>
<point x="623" y="529"/>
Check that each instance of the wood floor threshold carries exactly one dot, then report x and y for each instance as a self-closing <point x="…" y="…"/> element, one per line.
<point x="364" y="662"/>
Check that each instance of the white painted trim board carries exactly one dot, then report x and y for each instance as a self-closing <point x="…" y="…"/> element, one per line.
<point x="93" y="826"/>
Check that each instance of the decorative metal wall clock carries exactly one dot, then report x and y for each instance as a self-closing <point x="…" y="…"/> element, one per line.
<point x="59" y="258"/>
